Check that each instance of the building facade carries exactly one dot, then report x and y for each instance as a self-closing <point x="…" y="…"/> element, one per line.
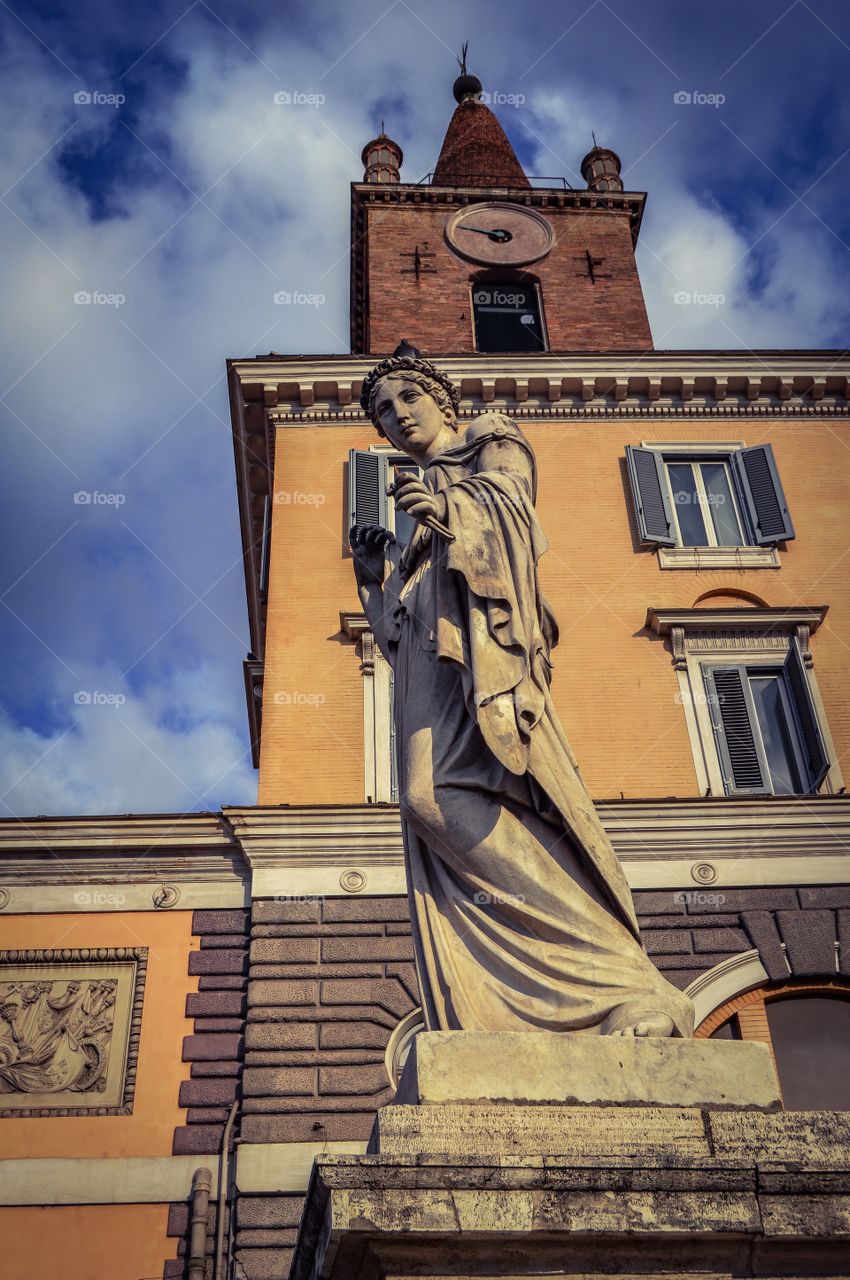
<point x="234" y="992"/>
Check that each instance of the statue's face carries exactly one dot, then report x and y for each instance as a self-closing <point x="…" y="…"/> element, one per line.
<point x="410" y="418"/>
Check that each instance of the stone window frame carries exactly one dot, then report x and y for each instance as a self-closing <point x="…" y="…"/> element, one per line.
<point x="133" y="958"/>
<point x="757" y="635"/>
<point x="377" y="710"/>
<point x="680" y="557"/>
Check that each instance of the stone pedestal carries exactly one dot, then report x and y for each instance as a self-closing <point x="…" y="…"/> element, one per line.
<point x="579" y="1156"/>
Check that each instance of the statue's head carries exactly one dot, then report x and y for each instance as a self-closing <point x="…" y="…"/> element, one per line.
<point x="406" y="396"/>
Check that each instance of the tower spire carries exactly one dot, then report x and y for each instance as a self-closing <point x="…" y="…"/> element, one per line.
<point x="475" y="151"/>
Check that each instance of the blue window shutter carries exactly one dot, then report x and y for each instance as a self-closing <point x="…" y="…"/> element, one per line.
<point x="367" y="488"/>
<point x="744" y="769"/>
<point x="652" y="501"/>
<point x="761" y="489"/>
<point x="814" y="746"/>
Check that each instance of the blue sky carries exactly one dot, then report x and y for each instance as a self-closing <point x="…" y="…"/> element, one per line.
<point x="145" y="162"/>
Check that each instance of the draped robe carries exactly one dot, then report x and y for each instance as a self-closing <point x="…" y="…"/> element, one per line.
<point x="522" y="916"/>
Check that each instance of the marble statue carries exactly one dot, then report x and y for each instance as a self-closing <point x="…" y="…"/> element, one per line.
<point x="522" y="916"/>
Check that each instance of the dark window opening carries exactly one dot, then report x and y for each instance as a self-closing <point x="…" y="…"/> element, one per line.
<point x="507" y="317"/>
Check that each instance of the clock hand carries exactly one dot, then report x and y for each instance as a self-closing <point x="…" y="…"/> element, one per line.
<point x="499" y="235"/>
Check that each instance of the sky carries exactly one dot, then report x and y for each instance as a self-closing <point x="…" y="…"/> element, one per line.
<point x="167" y="169"/>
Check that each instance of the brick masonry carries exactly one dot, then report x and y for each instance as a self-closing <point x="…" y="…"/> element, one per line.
<point x="580" y="314"/>
<point x="328" y="980"/>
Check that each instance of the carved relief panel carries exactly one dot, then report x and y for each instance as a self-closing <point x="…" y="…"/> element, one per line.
<point x="69" y="1030"/>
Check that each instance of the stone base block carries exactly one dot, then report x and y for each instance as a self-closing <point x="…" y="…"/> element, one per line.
<point x="533" y="1068"/>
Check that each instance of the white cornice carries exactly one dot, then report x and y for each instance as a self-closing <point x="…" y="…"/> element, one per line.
<point x="131" y="863"/>
<point x="746" y="617"/>
<point x="300" y="851"/>
<point x="344" y="850"/>
<point x="313" y="388"/>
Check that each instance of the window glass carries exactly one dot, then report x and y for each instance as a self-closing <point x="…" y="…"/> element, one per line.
<point x="403" y="524"/>
<point x="728" y="1031"/>
<point x="507" y="317"/>
<point x="811" y="1045"/>
<point x="721" y="504"/>
<point x="776" y="733"/>
<point x="686" y="503"/>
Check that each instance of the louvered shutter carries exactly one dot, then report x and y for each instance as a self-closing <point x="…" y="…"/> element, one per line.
<point x="265" y="548"/>
<point x="813" y="743"/>
<point x="761" y="489"/>
<point x="651" y="499"/>
<point x="367" y="485"/>
<point x="742" y="763"/>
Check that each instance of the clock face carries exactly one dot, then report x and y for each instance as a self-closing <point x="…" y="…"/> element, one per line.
<point x="499" y="234"/>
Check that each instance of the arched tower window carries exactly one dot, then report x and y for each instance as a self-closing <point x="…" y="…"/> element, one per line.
<point x="507" y="313"/>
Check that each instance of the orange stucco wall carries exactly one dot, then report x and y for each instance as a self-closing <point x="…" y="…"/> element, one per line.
<point x="149" y="1130"/>
<point x="85" y="1242"/>
<point x="614" y="685"/>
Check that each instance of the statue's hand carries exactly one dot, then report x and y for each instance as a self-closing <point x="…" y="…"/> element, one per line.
<point x="412" y="496"/>
<point x="368" y="543"/>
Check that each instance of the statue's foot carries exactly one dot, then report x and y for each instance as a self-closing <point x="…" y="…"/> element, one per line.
<point x="646" y="1024"/>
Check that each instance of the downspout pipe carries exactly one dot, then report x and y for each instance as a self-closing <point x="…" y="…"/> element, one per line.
<point x="223" y="1192"/>
<point x="201" y="1187"/>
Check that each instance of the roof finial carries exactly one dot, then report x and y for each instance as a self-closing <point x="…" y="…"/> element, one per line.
<point x="592" y="134"/>
<point x="466" y="87"/>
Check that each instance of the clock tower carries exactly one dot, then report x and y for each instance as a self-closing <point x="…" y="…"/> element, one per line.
<point x="486" y="260"/>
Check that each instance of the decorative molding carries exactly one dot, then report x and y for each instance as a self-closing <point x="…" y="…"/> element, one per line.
<point x="101" y="1180"/>
<point x="718" y="558"/>
<point x="106" y="864"/>
<point x="72" y="1025"/>
<point x="772" y="840"/>
<point x="735" y="629"/>
<point x="726" y="980"/>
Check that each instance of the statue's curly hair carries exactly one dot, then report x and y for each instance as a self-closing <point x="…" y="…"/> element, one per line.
<point x="408" y="363"/>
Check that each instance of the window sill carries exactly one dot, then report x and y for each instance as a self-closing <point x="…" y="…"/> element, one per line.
<point x="718" y="558"/>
